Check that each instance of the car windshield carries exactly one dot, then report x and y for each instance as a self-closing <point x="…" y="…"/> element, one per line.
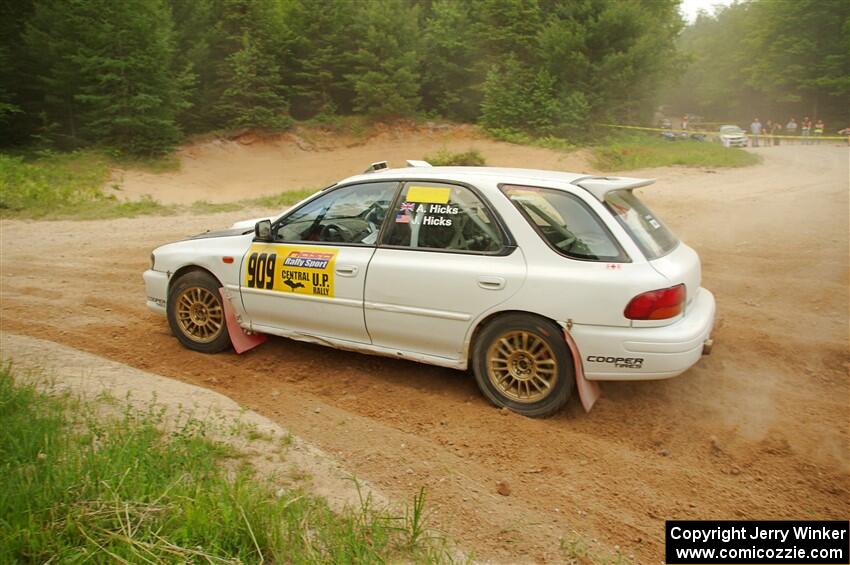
<point x="653" y="237"/>
<point x="731" y="129"/>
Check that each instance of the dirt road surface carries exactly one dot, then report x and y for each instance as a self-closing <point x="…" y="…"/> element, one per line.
<point x="759" y="429"/>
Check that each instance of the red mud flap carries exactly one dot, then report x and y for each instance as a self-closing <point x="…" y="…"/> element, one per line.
<point x="241" y="341"/>
<point x="588" y="391"/>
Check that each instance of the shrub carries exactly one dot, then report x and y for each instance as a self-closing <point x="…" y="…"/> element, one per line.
<point x="446" y="158"/>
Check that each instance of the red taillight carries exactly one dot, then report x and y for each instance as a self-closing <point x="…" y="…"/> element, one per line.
<point x="657" y="304"/>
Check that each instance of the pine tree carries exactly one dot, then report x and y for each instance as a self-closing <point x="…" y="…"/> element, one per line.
<point x="610" y="53"/>
<point x="386" y="78"/>
<point x="194" y="31"/>
<point x="253" y="97"/>
<point x="52" y="35"/>
<point x="109" y="79"/>
<point x="518" y="99"/>
<point x="321" y="45"/>
<point x="249" y="88"/>
<point x="450" y="74"/>
<point x="506" y="27"/>
<point x="13" y="87"/>
<point x="812" y="70"/>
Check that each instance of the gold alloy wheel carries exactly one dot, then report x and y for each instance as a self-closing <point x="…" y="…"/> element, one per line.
<point x="522" y="366"/>
<point x="199" y="314"/>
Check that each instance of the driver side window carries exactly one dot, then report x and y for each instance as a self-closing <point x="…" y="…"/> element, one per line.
<point x="351" y="214"/>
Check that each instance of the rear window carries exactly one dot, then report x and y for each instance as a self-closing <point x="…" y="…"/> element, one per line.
<point x="647" y="231"/>
<point x="565" y="223"/>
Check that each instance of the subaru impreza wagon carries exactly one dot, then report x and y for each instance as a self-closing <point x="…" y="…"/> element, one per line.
<point x="536" y="280"/>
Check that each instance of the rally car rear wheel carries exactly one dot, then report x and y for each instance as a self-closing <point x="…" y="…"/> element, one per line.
<point x="196" y="313"/>
<point x="522" y="362"/>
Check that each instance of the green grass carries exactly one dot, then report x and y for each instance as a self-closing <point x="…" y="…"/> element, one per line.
<point x="579" y="549"/>
<point x="521" y="138"/>
<point x="60" y="185"/>
<point x="642" y="151"/>
<point x="279" y="200"/>
<point x="358" y="127"/>
<point x="70" y="185"/>
<point x="282" y="199"/>
<point x="80" y="486"/>
<point x="44" y="185"/>
<point x="204" y="207"/>
<point x="168" y="163"/>
<point x="446" y="158"/>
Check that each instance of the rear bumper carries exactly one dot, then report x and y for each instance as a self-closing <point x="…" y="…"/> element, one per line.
<point x="156" y="290"/>
<point x="625" y="354"/>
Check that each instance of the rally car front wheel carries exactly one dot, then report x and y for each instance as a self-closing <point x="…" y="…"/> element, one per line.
<point x="523" y="363"/>
<point x="196" y="313"/>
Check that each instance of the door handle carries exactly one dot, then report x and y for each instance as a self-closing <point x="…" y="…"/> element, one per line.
<point x="491" y="283"/>
<point x="346" y="271"/>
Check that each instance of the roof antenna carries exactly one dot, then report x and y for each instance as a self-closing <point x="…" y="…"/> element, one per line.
<point x="376" y="167"/>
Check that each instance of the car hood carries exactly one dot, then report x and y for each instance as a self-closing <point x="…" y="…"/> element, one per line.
<point x="230" y="232"/>
<point x="248" y="223"/>
<point x="241" y="227"/>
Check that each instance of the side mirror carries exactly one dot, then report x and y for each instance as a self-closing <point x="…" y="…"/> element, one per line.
<point x="263" y="230"/>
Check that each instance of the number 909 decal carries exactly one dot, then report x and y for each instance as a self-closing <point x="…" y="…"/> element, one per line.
<point x="260" y="270"/>
<point x="287" y="268"/>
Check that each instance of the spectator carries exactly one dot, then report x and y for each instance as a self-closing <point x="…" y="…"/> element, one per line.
<point x="776" y="131"/>
<point x="791" y="127"/>
<point x="805" y="129"/>
<point x="818" y="129"/>
<point x="755" y="129"/>
<point x="767" y="130"/>
<point x="685" y="122"/>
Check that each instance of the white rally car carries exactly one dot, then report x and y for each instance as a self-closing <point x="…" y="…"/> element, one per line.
<point x="537" y="280"/>
<point x="732" y="136"/>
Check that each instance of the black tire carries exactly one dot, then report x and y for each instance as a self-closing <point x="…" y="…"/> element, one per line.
<point x="507" y="331"/>
<point x="209" y="334"/>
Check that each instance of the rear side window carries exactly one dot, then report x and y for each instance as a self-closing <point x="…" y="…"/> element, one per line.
<point x="566" y="223"/>
<point x="440" y="216"/>
<point x="647" y="231"/>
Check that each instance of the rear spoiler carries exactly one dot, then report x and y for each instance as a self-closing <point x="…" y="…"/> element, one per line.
<point x="600" y="186"/>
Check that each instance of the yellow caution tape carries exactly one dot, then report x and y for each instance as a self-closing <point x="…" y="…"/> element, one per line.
<point x="811" y="137"/>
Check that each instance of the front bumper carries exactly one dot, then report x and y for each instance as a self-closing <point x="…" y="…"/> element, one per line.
<point x="636" y="354"/>
<point x="156" y="290"/>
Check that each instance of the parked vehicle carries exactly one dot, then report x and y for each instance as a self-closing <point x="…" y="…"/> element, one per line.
<point x="531" y="278"/>
<point x="732" y="136"/>
<point x="682" y="136"/>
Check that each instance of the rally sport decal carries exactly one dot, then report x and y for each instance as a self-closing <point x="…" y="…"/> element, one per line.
<point x="288" y="268"/>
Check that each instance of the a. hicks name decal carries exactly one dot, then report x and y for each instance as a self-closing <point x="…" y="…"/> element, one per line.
<point x="411" y="213"/>
<point x="289" y="268"/>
